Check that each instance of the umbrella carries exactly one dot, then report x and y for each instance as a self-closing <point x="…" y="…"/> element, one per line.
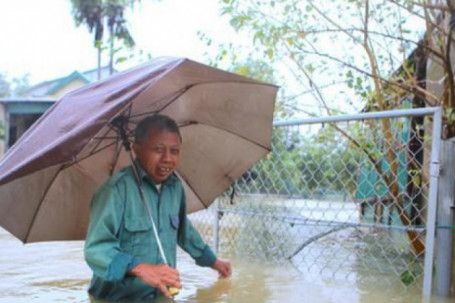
<point x="48" y="177"/>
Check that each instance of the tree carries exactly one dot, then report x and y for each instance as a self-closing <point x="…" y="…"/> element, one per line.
<point x="304" y="165"/>
<point x="5" y="87"/>
<point x="372" y="54"/>
<point x="14" y="87"/>
<point x="99" y="14"/>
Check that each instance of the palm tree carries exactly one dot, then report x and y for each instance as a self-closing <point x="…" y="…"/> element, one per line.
<point x="98" y="13"/>
<point x="116" y="24"/>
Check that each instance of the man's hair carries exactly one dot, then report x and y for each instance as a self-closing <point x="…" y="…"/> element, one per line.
<point x="156" y="122"/>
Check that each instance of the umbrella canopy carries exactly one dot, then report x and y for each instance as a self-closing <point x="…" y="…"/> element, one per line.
<point x="48" y="177"/>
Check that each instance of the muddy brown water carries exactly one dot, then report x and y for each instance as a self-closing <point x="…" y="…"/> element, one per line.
<point x="56" y="272"/>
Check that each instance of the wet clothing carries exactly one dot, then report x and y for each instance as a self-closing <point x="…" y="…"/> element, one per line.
<point x="120" y="235"/>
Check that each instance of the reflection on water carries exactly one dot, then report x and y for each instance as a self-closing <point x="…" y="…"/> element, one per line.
<point x="56" y="272"/>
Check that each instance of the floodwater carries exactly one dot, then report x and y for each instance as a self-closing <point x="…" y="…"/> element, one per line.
<point x="56" y="272"/>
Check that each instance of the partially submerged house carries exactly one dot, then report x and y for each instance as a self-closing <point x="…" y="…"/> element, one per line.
<point x="373" y="194"/>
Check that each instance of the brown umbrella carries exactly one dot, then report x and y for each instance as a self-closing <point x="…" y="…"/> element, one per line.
<point x="48" y="177"/>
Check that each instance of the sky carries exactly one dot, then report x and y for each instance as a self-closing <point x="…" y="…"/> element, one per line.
<point x="40" y="38"/>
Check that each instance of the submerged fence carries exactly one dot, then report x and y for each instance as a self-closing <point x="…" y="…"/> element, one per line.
<point x="347" y="197"/>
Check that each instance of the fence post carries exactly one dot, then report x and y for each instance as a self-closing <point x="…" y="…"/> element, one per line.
<point x="444" y="233"/>
<point x="432" y="202"/>
<point x="216" y="225"/>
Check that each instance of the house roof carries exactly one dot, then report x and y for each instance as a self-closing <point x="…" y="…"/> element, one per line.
<point x="92" y="74"/>
<point x="27" y="105"/>
<point x="50" y="87"/>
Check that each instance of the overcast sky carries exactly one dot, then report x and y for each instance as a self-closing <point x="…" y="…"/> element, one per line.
<point x="40" y="37"/>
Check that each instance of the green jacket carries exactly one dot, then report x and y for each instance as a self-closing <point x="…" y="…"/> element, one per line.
<point x="120" y="234"/>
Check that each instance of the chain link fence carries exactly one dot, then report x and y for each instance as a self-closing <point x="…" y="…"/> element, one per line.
<point x="337" y="198"/>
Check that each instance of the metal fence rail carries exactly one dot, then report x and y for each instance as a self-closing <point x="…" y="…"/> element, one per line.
<point x="346" y="197"/>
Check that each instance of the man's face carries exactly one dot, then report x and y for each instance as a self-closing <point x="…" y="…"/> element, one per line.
<point x="160" y="154"/>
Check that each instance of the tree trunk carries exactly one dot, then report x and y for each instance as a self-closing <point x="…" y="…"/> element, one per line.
<point x="99" y="63"/>
<point x="111" y="50"/>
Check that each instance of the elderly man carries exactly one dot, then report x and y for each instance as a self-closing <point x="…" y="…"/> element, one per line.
<point x="120" y="247"/>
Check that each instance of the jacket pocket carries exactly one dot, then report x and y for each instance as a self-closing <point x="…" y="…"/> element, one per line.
<point x="137" y="224"/>
<point x="139" y="235"/>
<point x="175" y="221"/>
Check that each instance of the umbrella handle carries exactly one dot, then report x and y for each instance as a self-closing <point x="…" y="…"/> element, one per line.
<point x="119" y="124"/>
<point x="147" y="207"/>
<point x="155" y="231"/>
<point x="172" y="290"/>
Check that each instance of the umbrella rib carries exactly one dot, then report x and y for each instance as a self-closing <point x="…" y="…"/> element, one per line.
<point x="115" y="142"/>
<point x="27" y="235"/>
<point x="117" y="155"/>
<point x="103" y="137"/>
<point x="94" y="149"/>
<point x="130" y="132"/>
<point x="91" y="154"/>
<point x="176" y="96"/>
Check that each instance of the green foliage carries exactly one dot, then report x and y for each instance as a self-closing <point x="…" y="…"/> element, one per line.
<point x="408" y="277"/>
<point x="325" y="43"/>
<point x="5" y="87"/>
<point x="10" y="88"/>
<point x="305" y="165"/>
<point x="14" y="87"/>
<point x="123" y="55"/>
<point x="99" y="15"/>
<point x="258" y="70"/>
<point x="90" y="13"/>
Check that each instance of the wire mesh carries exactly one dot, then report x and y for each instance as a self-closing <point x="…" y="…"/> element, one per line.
<point x="340" y="200"/>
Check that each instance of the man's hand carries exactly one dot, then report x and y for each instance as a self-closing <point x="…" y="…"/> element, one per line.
<point x="159" y="276"/>
<point x="223" y="268"/>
